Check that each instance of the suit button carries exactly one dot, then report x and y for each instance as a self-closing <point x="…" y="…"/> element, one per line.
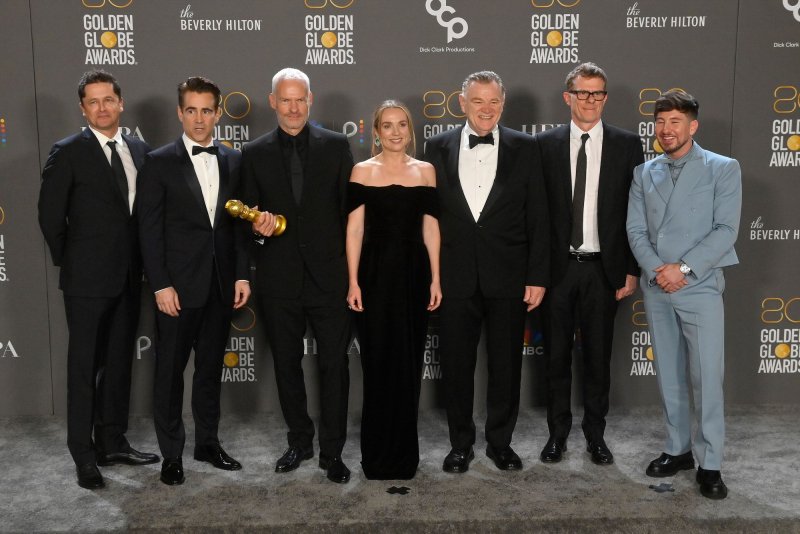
<point x="302" y="245"/>
<point x="660" y="234"/>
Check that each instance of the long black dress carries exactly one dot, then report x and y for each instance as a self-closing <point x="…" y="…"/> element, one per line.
<point x="394" y="276"/>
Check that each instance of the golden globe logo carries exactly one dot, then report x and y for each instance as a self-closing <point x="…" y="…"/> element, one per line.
<point x="779" y="351"/>
<point x="785" y="141"/>
<point x="329" y="38"/>
<point x="554" y="36"/>
<point x="108" y="36"/>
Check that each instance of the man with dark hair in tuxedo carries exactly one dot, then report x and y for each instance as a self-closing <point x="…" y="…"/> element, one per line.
<point x="195" y="260"/>
<point x="87" y="207"/>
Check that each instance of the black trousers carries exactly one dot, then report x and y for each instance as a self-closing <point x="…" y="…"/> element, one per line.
<point x="99" y="356"/>
<point x="285" y="324"/>
<point x="585" y="299"/>
<point x="460" y="321"/>
<point x="206" y="331"/>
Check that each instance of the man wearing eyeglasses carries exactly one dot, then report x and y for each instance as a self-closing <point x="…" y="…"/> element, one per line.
<point x="587" y="167"/>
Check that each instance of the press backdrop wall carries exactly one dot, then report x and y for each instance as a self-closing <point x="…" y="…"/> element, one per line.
<point x="741" y="59"/>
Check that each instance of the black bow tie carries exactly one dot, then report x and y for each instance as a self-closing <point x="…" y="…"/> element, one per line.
<point x="480" y="139"/>
<point x="211" y="149"/>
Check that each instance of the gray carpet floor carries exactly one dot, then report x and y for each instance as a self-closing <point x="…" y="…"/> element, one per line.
<point x="38" y="492"/>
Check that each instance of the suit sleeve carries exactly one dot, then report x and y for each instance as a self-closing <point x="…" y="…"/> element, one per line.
<point x="538" y="222"/>
<point x="638" y="235"/>
<point x="54" y="198"/>
<point x="241" y="228"/>
<point x="727" y="212"/>
<point x="636" y="158"/>
<point x="151" y="198"/>
<point x="345" y="170"/>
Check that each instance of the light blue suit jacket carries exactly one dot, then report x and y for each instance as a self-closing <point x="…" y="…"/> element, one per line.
<point x="696" y="220"/>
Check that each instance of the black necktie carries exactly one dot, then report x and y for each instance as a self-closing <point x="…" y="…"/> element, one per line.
<point x="211" y="149"/>
<point x="475" y="140"/>
<point x="119" y="170"/>
<point x="576" y="237"/>
<point x="297" y="173"/>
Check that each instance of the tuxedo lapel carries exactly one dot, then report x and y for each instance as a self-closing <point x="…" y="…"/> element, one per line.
<point x="189" y="176"/>
<point x="686" y="182"/>
<point x="100" y="162"/>
<point x="506" y="155"/>
<point x="137" y="154"/>
<point x="224" y="183"/>
<point x="451" y="149"/>
<point x="564" y="171"/>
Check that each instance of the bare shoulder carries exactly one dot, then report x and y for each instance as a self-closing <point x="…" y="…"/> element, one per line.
<point x="426" y="172"/>
<point x="362" y="172"/>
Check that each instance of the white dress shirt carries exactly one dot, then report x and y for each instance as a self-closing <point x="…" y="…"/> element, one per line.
<point x="477" y="168"/>
<point x="206" y="169"/>
<point x="594" y="151"/>
<point x="127" y="160"/>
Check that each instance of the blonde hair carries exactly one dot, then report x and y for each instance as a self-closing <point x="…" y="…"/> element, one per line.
<point x="411" y="148"/>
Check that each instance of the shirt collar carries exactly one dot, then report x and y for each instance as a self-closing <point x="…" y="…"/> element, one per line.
<point x="188" y="143"/>
<point x="301" y="137"/>
<point x="103" y="139"/>
<point x="595" y="133"/>
<point x="467" y="131"/>
<point x="693" y="153"/>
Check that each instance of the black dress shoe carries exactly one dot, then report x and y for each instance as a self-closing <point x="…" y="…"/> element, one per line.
<point x="129" y="456"/>
<point x="89" y="476"/>
<point x="711" y="484"/>
<point x="553" y="450"/>
<point x="336" y="470"/>
<point x="600" y="453"/>
<point x="505" y="459"/>
<point x="216" y="456"/>
<point x="172" y="471"/>
<point x="457" y="460"/>
<point x="667" y="465"/>
<point x="291" y="459"/>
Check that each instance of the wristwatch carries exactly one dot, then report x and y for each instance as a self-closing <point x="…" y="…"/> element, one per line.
<point x="685" y="269"/>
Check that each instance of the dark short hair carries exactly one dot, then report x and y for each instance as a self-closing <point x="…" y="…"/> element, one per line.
<point x="483" y="76"/>
<point x="97" y="76"/>
<point x="199" y="84"/>
<point x="586" y="70"/>
<point x="677" y="99"/>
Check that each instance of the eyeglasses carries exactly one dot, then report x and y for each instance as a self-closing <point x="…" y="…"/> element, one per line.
<point x="584" y="95"/>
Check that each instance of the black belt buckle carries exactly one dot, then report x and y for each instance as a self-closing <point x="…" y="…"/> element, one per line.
<point x="583" y="257"/>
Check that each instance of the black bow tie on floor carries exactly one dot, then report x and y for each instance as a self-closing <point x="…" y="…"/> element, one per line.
<point x="211" y="149"/>
<point x="480" y="139"/>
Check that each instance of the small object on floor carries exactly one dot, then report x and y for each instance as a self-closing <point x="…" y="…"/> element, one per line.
<point x="662" y="488"/>
<point x="402" y="490"/>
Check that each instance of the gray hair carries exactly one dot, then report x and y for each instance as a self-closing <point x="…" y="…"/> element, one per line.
<point x="483" y="76"/>
<point x="290" y="74"/>
<point x="585" y="70"/>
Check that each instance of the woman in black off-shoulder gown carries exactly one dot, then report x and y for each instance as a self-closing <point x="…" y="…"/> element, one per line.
<point x="393" y="248"/>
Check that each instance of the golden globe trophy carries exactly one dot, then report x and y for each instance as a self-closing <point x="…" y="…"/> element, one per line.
<point x="237" y="209"/>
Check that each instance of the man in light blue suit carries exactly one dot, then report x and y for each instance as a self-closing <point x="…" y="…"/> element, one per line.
<point x="683" y="219"/>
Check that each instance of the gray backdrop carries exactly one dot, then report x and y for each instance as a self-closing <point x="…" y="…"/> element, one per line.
<point x="739" y="58"/>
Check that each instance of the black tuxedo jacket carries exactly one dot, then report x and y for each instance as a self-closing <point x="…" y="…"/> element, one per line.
<point x="622" y="151"/>
<point x="86" y="220"/>
<point x="180" y="247"/>
<point x="507" y="248"/>
<point x="314" y="238"/>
